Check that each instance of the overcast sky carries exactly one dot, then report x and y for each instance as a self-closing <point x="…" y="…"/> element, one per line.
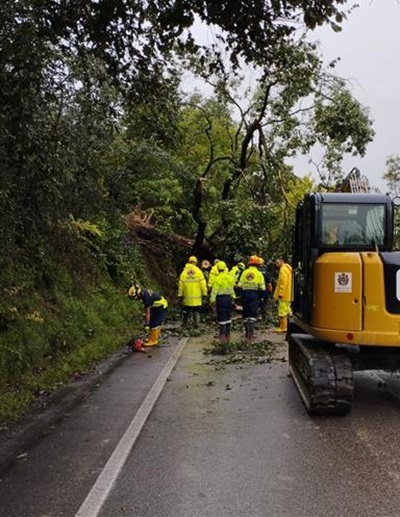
<point x="369" y="47"/>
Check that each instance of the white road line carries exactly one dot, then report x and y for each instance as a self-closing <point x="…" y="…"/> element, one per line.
<point x="98" y="494"/>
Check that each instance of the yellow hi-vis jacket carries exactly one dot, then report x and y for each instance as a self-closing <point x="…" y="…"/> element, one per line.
<point x="235" y="273"/>
<point x="192" y="286"/>
<point x="223" y="284"/>
<point x="212" y="276"/>
<point x="252" y="280"/>
<point x="283" y="289"/>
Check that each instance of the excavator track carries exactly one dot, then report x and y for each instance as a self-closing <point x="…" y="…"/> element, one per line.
<point x="323" y="375"/>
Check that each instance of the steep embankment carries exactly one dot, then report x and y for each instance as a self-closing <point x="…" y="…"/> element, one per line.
<point x="164" y="254"/>
<point x="59" y="324"/>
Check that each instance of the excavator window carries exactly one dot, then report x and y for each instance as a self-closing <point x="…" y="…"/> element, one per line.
<point x="352" y="225"/>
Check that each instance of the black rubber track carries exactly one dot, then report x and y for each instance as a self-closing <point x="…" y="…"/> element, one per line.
<point x="323" y="375"/>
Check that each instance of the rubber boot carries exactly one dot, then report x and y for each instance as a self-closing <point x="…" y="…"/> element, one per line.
<point x="196" y="319"/>
<point x="153" y="337"/>
<point x="246" y="329"/>
<point x="279" y="328"/>
<point x="227" y="332"/>
<point x="221" y="336"/>
<point x="185" y="319"/>
<point x="283" y="320"/>
<point x="158" y="335"/>
<point x="252" y="327"/>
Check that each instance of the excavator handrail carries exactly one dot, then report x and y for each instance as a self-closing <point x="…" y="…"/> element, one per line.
<point x="355" y="183"/>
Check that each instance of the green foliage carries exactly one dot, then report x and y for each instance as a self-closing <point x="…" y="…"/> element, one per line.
<point x="342" y="125"/>
<point x="249" y="230"/>
<point x="392" y="174"/>
<point x="95" y="138"/>
<point x="149" y="179"/>
<point x="119" y="31"/>
<point x="156" y="119"/>
<point x="392" y="178"/>
<point x="52" y="340"/>
<point x="236" y="148"/>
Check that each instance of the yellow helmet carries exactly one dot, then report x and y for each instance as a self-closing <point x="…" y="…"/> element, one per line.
<point x="241" y="265"/>
<point x="134" y="291"/>
<point x="192" y="260"/>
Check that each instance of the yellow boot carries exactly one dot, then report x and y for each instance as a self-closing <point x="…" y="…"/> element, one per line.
<point x="283" y="322"/>
<point x="153" y="337"/>
<point x="148" y="338"/>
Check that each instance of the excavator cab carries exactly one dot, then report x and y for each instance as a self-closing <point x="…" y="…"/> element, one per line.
<point x="331" y="223"/>
<point x="346" y="307"/>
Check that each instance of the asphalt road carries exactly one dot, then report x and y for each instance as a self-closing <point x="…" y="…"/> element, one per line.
<point x="222" y="440"/>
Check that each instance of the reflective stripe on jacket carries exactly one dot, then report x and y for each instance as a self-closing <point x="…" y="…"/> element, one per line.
<point x="235" y="273"/>
<point x="223" y="284"/>
<point x="192" y="286"/>
<point x="153" y="299"/>
<point x="252" y="280"/>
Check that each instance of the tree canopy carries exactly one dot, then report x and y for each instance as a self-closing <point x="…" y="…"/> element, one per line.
<point x="96" y="131"/>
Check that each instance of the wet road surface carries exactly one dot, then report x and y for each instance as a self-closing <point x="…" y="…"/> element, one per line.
<point x="225" y="442"/>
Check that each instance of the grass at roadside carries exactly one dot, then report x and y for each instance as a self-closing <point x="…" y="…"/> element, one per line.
<point x="62" y="348"/>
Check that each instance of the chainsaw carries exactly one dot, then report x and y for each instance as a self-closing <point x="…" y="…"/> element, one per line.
<point x="136" y="345"/>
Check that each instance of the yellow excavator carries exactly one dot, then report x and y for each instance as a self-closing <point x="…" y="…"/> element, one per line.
<point x="346" y="308"/>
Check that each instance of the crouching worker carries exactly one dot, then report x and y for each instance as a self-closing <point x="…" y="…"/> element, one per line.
<point x="155" y="309"/>
<point x="222" y="295"/>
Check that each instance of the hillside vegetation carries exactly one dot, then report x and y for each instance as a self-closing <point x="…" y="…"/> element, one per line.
<point x="112" y="173"/>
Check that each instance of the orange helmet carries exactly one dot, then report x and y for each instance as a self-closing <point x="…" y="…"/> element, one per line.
<point x="254" y="260"/>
